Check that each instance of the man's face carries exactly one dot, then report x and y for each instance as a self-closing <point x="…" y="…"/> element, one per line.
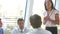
<point x="0" y="24"/>
<point x="21" y="24"/>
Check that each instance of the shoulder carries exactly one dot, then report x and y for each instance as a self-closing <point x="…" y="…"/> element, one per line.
<point x="27" y="29"/>
<point x="40" y="31"/>
<point x="1" y="29"/>
<point x="56" y="11"/>
<point x="47" y="32"/>
<point x="14" y="30"/>
<point x="30" y="32"/>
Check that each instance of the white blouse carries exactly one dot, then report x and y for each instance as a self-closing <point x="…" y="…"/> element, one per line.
<point x="51" y="16"/>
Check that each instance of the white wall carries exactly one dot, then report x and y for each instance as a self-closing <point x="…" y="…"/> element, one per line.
<point x="58" y="4"/>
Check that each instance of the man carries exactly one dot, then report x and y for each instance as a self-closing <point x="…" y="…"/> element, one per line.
<point x="1" y="29"/>
<point x="21" y="29"/>
<point x="35" y="21"/>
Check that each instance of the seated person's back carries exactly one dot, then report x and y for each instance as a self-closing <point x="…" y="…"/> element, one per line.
<point x="35" y="21"/>
<point x="39" y="31"/>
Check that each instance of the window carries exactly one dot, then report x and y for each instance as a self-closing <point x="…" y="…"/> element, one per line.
<point x="10" y="11"/>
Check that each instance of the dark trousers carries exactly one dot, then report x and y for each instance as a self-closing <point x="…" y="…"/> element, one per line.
<point x="53" y="30"/>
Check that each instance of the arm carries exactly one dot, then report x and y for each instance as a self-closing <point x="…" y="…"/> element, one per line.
<point x="57" y="18"/>
<point x="13" y="31"/>
<point x="44" y="22"/>
<point x="45" y="19"/>
<point x="56" y="21"/>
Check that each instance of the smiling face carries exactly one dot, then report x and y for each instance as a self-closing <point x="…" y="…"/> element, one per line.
<point x="48" y="4"/>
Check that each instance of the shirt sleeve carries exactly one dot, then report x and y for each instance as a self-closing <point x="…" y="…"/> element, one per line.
<point x="56" y="12"/>
<point x="48" y="32"/>
<point x="13" y="31"/>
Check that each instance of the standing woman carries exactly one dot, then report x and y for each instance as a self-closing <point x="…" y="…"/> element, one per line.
<point x="51" y="17"/>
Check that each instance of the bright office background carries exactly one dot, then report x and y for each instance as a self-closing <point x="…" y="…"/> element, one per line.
<point x="11" y="10"/>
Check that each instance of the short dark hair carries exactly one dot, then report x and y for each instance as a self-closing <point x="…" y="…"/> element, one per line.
<point x="20" y="19"/>
<point x="35" y="21"/>
<point x="51" y="7"/>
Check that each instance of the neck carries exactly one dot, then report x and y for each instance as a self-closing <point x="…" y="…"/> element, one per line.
<point x="49" y="11"/>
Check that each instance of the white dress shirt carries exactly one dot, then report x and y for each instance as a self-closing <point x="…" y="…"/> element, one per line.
<point x="39" y="31"/>
<point x="51" y="16"/>
<point x="18" y="31"/>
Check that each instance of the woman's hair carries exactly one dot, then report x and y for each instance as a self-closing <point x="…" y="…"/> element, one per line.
<point x="51" y="3"/>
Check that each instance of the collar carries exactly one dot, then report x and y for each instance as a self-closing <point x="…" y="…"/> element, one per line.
<point x="21" y="30"/>
<point x="51" y="12"/>
<point x="38" y="28"/>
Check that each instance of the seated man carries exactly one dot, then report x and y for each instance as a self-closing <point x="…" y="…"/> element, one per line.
<point x="1" y="29"/>
<point x="21" y="29"/>
<point x="35" y="21"/>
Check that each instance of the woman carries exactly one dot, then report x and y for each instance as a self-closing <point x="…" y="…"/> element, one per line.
<point x="51" y="16"/>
